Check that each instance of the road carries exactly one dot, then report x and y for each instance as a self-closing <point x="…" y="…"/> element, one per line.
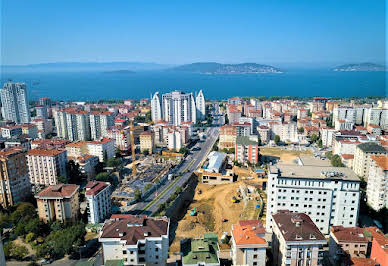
<point x="184" y="171"/>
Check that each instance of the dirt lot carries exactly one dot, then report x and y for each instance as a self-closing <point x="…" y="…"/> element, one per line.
<point x="286" y="156"/>
<point x="213" y="205"/>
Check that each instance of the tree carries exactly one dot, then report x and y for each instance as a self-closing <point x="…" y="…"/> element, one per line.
<point x="328" y="155"/>
<point x="336" y="161"/>
<point x="314" y="137"/>
<point x="215" y="147"/>
<point x="30" y="237"/>
<point x="320" y="145"/>
<point x="24" y="211"/>
<point x="74" y="173"/>
<point x="277" y="139"/>
<point x="183" y="150"/>
<point x="146" y="152"/>
<point x="137" y="194"/>
<point x="105" y="177"/>
<point x="113" y="162"/>
<point x="148" y="117"/>
<point x="61" y="179"/>
<point x="226" y="119"/>
<point x="300" y="130"/>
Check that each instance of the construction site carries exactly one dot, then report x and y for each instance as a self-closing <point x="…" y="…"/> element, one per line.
<point x="215" y="208"/>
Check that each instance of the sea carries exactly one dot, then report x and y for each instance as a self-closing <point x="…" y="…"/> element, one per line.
<point x="97" y="85"/>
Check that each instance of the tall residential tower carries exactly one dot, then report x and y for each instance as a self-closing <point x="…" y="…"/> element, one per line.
<point x="14" y="102"/>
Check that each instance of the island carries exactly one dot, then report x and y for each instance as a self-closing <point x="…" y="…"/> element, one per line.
<point x="217" y="68"/>
<point x="360" y="67"/>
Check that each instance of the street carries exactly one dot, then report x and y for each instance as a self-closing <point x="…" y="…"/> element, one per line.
<point x="190" y="164"/>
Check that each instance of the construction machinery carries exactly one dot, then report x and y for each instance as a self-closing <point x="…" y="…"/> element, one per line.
<point x="234" y="200"/>
<point x="193" y="212"/>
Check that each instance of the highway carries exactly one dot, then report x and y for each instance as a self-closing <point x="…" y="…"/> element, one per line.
<point x="183" y="172"/>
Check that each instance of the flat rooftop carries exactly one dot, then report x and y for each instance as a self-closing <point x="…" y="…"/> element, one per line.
<point x="313" y="161"/>
<point x="314" y="172"/>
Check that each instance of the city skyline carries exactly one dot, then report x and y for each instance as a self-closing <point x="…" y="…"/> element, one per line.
<point x="177" y="33"/>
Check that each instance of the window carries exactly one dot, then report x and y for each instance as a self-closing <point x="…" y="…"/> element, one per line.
<point x="255" y="256"/>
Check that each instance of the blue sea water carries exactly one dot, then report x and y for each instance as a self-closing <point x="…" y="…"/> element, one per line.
<point x="83" y="86"/>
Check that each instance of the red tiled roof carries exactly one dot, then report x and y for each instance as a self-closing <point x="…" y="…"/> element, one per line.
<point x="58" y="191"/>
<point x="132" y="228"/>
<point x="347" y="156"/>
<point x="291" y="231"/>
<point x="95" y="187"/>
<point x="363" y="262"/>
<point x="247" y="233"/>
<point x="349" y="234"/>
<point x="43" y="152"/>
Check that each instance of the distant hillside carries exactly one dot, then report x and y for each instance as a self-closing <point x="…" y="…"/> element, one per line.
<point x="86" y="66"/>
<point x="360" y="67"/>
<point x="217" y="68"/>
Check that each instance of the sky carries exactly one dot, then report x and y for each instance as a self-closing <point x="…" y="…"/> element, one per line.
<point x="186" y="31"/>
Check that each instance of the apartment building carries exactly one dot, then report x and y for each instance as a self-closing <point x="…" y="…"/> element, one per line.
<point x="362" y="154"/>
<point x="296" y="240"/>
<point x="247" y="150"/>
<point x="343" y="125"/>
<point x="376" y="116"/>
<point x="227" y="137"/>
<point x="174" y="140"/>
<point x="200" y="104"/>
<point x="344" y="113"/>
<point x="87" y="164"/>
<point x="248" y="243"/>
<point x="30" y="130"/>
<point x="264" y="133"/>
<point x="121" y="135"/>
<point x="234" y="113"/>
<point x="99" y="206"/>
<point x="377" y="186"/>
<point x="243" y="129"/>
<point x="44" y="126"/>
<point x="15" y="184"/>
<point x="147" y="141"/>
<point x="288" y="132"/>
<point x="329" y="195"/>
<point x="348" y="242"/>
<point x="15" y="103"/>
<point x="100" y="122"/>
<point x="45" y="166"/>
<point x="58" y="203"/>
<point x="137" y="240"/>
<point x="104" y="149"/>
<point x="10" y="132"/>
<point x="327" y="136"/>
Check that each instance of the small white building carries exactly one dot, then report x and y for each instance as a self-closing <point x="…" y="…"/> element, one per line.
<point x="137" y="240"/>
<point x="99" y="203"/>
<point x="104" y="149"/>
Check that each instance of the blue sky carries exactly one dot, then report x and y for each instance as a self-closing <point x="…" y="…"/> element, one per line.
<point x="176" y="32"/>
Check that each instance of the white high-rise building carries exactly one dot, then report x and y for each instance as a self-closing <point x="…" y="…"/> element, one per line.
<point x="15" y="102"/>
<point x="156" y="107"/>
<point x="98" y="200"/>
<point x="347" y="113"/>
<point x="201" y="105"/>
<point x="175" y="107"/>
<point x="377" y="188"/>
<point x="179" y="107"/>
<point x="377" y="116"/>
<point x="329" y="195"/>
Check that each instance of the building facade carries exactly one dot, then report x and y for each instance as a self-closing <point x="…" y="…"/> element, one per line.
<point x="377" y="186"/>
<point x="15" y="184"/>
<point x="362" y="154"/>
<point x="45" y="166"/>
<point x="329" y="195"/>
<point x="137" y="240"/>
<point x="98" y="201"/>
<point x="296" y="240"/>
<point x="15" y="102"/>
<point x="58" y="203"/>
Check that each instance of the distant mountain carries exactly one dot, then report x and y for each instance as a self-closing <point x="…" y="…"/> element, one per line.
<point x="217" y="68"/>
<point x="360" y="67"/>
<point x="86" y="66"/>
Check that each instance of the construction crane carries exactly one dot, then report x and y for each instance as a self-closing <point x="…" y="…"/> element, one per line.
<point x="132" y="129"/>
